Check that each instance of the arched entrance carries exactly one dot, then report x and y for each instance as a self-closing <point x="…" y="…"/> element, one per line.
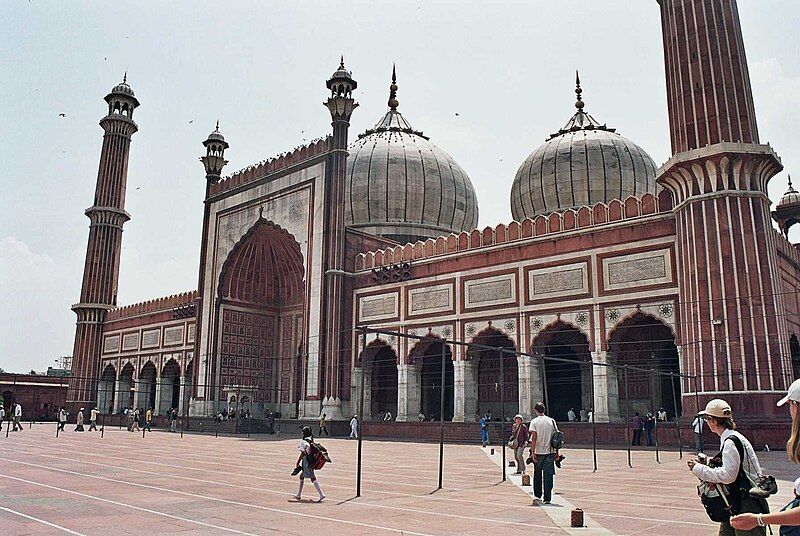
<point x="794" y="351"/>
<point x="170" y="387"/>
<point x="146" y="387"/>
<point x="488" y="373"/>
<point x="568" y="378"/>
<point x="125" y="389"/>
<point x="645" y="342"/>
<point x="427" y="355"/>
<point x="261" y="318"/>
<point x="378" y="364"/>
<point x="106" y="389"/>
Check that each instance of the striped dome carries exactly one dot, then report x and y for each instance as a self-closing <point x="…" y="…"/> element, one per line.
<point x="400" y="185"/>
<point x="582" y="164"/>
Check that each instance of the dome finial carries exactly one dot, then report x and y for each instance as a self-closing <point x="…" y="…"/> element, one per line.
<point x="578" y="103"/>
<point x="125" y="77"/>
<point x="341" y="62"/>
<point x="393" y="103"/>
<point x="216" y="129"/>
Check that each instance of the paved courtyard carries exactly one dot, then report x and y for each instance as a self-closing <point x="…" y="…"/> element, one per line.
<point x="162" y="484"/>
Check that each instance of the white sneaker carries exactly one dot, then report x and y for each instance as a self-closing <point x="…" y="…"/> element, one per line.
<point x="321" y="498"/>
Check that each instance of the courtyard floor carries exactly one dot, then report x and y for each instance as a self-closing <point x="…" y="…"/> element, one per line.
<point x="164" y="484"/>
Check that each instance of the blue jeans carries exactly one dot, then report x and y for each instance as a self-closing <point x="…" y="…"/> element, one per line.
<point x="484" y="436"/>
<point x="543" y="471"/>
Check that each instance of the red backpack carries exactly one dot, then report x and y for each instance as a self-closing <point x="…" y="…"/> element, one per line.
<point x="317" y="456"/>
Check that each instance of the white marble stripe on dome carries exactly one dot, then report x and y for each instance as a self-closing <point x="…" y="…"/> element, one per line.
<point x="377" y="191"/>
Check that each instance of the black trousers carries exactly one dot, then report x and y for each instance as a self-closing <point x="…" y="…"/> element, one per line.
<point x="637" y="437"/>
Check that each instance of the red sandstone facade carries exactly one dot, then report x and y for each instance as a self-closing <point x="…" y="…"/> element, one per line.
<point x="656" y="300"/>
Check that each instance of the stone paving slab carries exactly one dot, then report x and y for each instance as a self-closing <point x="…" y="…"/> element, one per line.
<point x="164" y="484"/>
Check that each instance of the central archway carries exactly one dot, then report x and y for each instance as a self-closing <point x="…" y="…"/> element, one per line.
<point x="262" y="304"/>
<point x="488" y="373"/>
<point x="568" y="377"/>
<point x="106" y="390"/>
<point x="645" y="342"/>
<point x="427" y="354"/>
<point x="378" y="364"/>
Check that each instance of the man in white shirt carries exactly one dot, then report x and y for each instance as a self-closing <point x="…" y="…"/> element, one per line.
<point x="354" y="427"/>
<point x="697" y="427"/>
<point x="17" y="417"/>
<point x="541" y="430"/>
<point x="571" y="415"/>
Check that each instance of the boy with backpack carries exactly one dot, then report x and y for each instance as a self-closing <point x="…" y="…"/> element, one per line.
<point x="545" y="439"/>
<point x="309" y="458"/>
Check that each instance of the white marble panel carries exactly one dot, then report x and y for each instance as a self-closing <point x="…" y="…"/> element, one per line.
<point x="560" y="280"/>
<point x="433" y="299"/>
<point x="637" y="270"/>
<point x="111" y="344"/>
<point x="151" y="338"/>
<point x="378" y="307"/>
<point x="495" y="290"/>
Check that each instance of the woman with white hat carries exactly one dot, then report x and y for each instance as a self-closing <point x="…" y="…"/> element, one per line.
<point x="790" y="517"/>
<point x="736" y="453"/>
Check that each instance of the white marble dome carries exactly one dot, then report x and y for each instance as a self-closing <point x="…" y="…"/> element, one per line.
<point x="582" y="164"/>
<point x="402" y="186"/>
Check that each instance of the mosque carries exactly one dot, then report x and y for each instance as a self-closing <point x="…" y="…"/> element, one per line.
<point x="610" y="259"/>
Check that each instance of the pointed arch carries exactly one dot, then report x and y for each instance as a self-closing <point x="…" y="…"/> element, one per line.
<point x="643" y="341"/>
<point x="106" y="389"/>
<point x="378" y="365"/>
<point x="567" y="379"/>
<point x="427" y="355"/>
<point x="490" y="381"/>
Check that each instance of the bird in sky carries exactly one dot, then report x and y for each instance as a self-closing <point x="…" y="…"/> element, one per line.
<point x="62" y="115"/>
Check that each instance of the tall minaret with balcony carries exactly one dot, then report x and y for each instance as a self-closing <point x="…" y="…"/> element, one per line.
<point x="101" y="270"/>
<point x="733" y="333"/>
<point x="340" y="104"/>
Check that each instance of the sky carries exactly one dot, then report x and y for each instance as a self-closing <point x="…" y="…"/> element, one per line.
<point x="487" y="81"/>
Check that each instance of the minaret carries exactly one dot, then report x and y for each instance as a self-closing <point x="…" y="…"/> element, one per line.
<point x="733" y="333"/>
<point x="101" y="270"/>
<point x="213" y="162"/>
<point x="335" y="344"/>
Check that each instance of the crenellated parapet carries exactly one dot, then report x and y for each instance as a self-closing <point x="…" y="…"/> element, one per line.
<point x="273" y="165"/>
<point x="184" y="299"/>
<point x="551" y="224"/>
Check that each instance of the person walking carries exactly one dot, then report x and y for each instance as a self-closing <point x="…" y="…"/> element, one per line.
<point x="79" y="421"/>
<point x="789" y="517"/>
<point x="148" y="422"/>
<point x="323" y="425"/>
<point x="541" y="435"/>
<point x="518" y="442"/>
<point x="93" y="419"/>
<point x="303" y="466"/>
<point x="584" y="415"/>
<point x="697" y="428"/>
<point x="62" y="419"/>
<point x="354" y="427"/>
<point x="136" y="415"/>
<point x="571" y="415"/>
<point x="17" y="417"/>
<point x="271" y="422"/>
<point x="484" y="432"/>
<point x="2" y="415"/>
<point x="173" y="419"/>
<point x="649" y="426"/>
<point x="661" y="415"/>
<point x="739" y="467"/>
<point x="636" y="425"/>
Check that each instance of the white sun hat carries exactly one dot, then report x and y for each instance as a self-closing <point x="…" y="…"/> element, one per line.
<point x="793" y="394"/>
<point x="717" y="408"/>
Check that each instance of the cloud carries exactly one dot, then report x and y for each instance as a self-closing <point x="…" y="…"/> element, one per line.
<point x="38" y="325"/>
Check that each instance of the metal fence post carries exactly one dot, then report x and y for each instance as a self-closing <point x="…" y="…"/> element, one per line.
<point x="441" y="418"/>
<point x="594" y="429"/>
<point x="503" y="440"/>
<point x="655" y="417"/>
<point x="360" y="423"/>
<point x="677" y="417"/>
<point x="627" y="415"/>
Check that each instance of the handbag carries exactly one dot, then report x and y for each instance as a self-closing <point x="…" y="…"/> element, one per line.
<point x="513" y="443"/>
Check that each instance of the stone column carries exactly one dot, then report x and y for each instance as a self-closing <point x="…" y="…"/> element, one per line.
<point x="466" y="390"/>
<point x="408" y="391"/>
<point x="606" y="390"/>
<point x="355" y="391"/>
<point x="182" y="394"/>
<point x="586" y="388"/>
<point x="530" y="385"/>
<point x="157" y="401"/>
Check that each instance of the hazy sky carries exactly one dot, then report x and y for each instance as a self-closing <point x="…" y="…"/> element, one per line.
<point x="505" y="69"/>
